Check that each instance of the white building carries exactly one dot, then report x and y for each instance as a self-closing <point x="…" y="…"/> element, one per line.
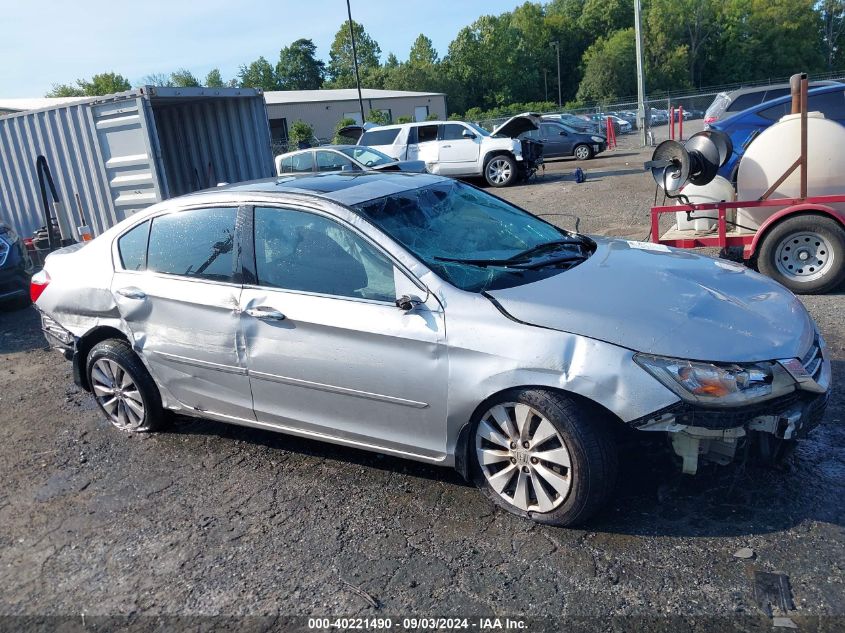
<point x="324" y="108"/>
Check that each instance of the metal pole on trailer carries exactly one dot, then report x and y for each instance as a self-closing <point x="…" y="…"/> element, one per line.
<point x="641" y="118"/>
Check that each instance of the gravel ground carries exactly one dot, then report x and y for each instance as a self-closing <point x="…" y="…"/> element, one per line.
<point x="210" y="519"/>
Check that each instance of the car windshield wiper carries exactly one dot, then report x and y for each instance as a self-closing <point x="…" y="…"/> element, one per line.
<point x="518" y="260"/>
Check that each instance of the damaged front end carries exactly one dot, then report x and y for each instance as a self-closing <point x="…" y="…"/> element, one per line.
<point x="783" y="401"/>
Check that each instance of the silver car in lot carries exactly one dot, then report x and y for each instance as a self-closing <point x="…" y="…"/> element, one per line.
<point x="418" y="316"/>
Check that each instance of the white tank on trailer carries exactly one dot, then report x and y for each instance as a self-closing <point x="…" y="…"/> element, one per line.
<point x="776" y="149"/>
<point x="717" y="190"/>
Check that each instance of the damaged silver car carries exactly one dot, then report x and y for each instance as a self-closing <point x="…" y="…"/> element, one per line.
<point x="418" y="316"/>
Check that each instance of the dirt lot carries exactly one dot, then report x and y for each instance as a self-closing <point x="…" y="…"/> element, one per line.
<point x="209" y="519"/>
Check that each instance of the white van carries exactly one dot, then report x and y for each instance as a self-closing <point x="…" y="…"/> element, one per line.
<point x="458" y="148"/>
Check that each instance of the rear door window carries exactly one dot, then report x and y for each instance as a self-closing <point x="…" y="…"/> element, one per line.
<point x="195" y="243"/>
<point x="132" y="247"/>
<point x="426" y="133"/>
<point x="379" y="137"/>
<point x="303" y="162"/>
<point x="831" y="104"/>
<point x="775" y="112"/>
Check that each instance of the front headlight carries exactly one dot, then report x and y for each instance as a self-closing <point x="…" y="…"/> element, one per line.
<point x="597" y="139"/>
<point x="718" y="385"/>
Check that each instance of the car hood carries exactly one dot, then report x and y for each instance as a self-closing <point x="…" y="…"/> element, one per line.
<point x="518" y="124"/>
<point x="415" y="166"/>
<point x="649" y="298"/>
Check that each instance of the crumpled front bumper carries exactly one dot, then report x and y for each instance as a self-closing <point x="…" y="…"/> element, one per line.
<point x="714" y="434"/>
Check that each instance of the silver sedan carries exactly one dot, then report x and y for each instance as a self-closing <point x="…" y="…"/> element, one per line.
<point x="418" y="316"/>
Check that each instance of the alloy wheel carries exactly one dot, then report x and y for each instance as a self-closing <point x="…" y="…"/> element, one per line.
<point x="523" y="457"/>
<point x="582" y="152"/>
<point x="498" y="171"/>
<point x="117" y="394"/>
<point x="803" y="256"/>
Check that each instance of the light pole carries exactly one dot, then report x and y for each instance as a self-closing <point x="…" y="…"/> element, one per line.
<point x="355" y="61"/>
<point x="556" y="45"/>
<point x="641" y="113"/>
<point x="546" y="82"/>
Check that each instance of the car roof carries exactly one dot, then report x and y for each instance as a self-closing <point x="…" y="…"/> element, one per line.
<point x="308" y="149"/>
<point x="733" y="94"/>
<point x="341" y="187"/>
<point x="834" y="87"/>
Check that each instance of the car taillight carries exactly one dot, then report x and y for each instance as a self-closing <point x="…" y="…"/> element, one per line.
<point x="709" y="119"/>
<point x="38" y="284"/>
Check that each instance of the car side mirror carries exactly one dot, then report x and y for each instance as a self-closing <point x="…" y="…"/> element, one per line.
<point x="347" y="168"/>
<point x="563" y="133"/>
<point x="408" y="302"/>
<point x="467" y="134"/>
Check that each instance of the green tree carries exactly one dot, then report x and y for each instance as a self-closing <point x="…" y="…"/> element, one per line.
<point x="832" y="13"/>
<point x="679" y="29"/>
<point x="379" y="117"/>
<point x="100" y="84"/>
<point x="300" y="132"/>
<point x="422" y="52"/>
<point x="609" y="69"/>
<point x="214" y="79"/>
<point x="184" y="78"/>
<point x="298" y="67"/>
<point x="405" y="119"/>
<point x="157" y="79"/>
<point x="258" y="74"/>
<point x="340" y="69"/>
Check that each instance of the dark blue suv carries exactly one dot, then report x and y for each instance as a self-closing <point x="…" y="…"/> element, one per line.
<point x="745" y="126"/>
<point x="15" y="268"/>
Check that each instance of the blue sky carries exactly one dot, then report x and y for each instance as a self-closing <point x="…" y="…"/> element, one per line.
<point x="48" y="42"/>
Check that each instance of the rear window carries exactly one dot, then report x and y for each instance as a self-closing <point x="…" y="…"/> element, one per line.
<point x="196" y="243"/>
<point x="132" y="247"/>
<point x="745" y="101"/>
<point x="379" y="137"/>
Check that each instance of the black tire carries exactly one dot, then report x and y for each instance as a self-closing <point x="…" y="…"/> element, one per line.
<point x="591" y="448"/>
<point x="501" y="164"/>
<point x="800" y="229"/>
<point x="118" y="352"/>
<point x="579" y="149"/>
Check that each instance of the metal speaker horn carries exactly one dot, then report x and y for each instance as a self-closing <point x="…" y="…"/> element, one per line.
<point x="669" y="165"/>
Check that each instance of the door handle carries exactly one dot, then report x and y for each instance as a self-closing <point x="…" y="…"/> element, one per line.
<point x="266" y="313"/>
<point x="132" y="292"/>
<point x="446" y="146"/>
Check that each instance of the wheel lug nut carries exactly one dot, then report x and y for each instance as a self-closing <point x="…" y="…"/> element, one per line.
<point x="525" y="469"/>
<point x="525" y="445"/>
<point x="534" y="460"/>
<point x="513" y="444"/>
<point x="513" y="460"/>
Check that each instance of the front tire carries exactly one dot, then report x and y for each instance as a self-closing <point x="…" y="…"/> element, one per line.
<point x="583" y="152"/>
<point x="123" y="388"/>
<point x="500" y="171"/>
<point x="544" y="456"/>
<point x="805" y="253"/>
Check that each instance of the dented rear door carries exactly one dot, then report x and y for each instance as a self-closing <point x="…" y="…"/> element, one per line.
<point x="181" y="305"/>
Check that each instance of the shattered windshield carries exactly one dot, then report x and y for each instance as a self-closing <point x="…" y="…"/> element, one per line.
<point x="473" y="240"/>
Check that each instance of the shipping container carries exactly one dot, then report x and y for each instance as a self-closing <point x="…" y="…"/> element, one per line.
<point x="114" y="155"/>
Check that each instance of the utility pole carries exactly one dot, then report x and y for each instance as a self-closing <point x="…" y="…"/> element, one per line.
<point x="641" y="112"/>
<point x="355" y="61"/>
<point x="556" y="44"/>
<point x="546" y="82"/>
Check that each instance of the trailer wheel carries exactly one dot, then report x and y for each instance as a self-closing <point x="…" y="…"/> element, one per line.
<point x="806" y="253"/>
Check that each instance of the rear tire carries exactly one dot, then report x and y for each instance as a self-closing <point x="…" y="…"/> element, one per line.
<point x="123" y="388"/>
<point x="805" y="253"/>
<point x="583" y="152"/>
<point x="544" y="456"/>
<point x="500" y="171"/>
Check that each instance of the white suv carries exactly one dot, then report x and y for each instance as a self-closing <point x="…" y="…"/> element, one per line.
<point x="457" y="148"/>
